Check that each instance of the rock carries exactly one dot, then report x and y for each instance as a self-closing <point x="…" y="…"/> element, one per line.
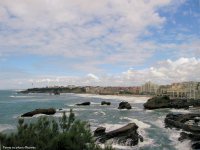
<point x="105" y="103"/>
<point x="99" y="131"/>
<point x="124" y="105"/>
<point x="83" y="104"/>
<point x="166" y="102"/>
<point x="49" y="111"/>
<point x="157" y="102"/>
<point x="196" y="145"/>
<point x="56" y="92"/>
<point x="126" y="135"/>
<point x="180" y="121"/>
<point x="190" y="136"/>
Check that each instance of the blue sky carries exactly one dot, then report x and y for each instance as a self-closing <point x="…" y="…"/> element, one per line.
<point x="107" y="42"/>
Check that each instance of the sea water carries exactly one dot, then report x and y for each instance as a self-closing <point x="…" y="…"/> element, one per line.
<point x="150" y="122"/>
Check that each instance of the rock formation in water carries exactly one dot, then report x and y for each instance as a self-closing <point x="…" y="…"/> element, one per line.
<point x="166" y="102"/>
<point x="49" y="111"/>
<point x="105" y="103"/>
<point x="187" y="122"/>
<point x="124" y="105"/>
<point x="83" y="104"/>
<point x="126" y="135"/>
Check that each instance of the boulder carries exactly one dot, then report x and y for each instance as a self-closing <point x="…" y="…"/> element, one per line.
<point x="105" y="103"/>
<point x="49" y="111"/>
<point x="196" y="145"/>
<point x="181" y="121"/>
<point x="190" y="136"/>
<point x="166" y="102"/>
<point x="99" y="131"/>
<point x="83" y="104"/>
<point x="186" y="122"/>
<point x="124" y="105"/>
<point x="126" y="135"/>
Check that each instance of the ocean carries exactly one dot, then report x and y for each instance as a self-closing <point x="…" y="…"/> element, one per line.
<point x="150" y="122"/>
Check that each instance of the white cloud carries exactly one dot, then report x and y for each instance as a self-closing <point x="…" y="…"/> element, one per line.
<point x="105" y="30"/>
<point x="164" y="72"/>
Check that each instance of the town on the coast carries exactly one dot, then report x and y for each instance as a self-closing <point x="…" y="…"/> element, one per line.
<point x="180" y="90"/>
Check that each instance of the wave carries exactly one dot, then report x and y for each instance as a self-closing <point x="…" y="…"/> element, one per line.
<point x="174" y="135"/>
<point x="100" y="113"/>
<point x="131" y="99"/>
<point x="141" y="124"/>
<point x="180" y="110"/>
<point x="4" y="127"/>
<point x="14" y="96"/>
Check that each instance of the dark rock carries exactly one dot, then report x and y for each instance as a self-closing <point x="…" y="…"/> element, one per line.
<point x="99" y="131"/>
<point x="49" y="111"/>
<point x="124" y="105"/>
<point x="83" y="104"/>
<point x="126" y="135"/>
<point x="166" y="102"/>
<point x="105" y="103"/>
<point x="190" y="136"/>
<point x="56" y="92"/>
<point x="196" y="145"/>
<point x="180" y="121"/>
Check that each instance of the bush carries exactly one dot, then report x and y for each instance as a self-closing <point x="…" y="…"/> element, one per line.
<point x="48" y="134"/>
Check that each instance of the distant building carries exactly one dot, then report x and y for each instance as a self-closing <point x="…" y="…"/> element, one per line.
<point x="190" y="90"/>
<point x="149" y="88"/>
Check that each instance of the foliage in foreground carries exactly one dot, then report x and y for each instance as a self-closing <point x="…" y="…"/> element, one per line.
<point x="47" y="134"/>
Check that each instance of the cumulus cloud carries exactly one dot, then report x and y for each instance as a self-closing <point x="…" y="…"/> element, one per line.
<point x="104" y="30"/>
<point x="164" y="72"/>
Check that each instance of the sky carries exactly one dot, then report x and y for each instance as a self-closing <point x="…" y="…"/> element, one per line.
<point x="98" y="42"/>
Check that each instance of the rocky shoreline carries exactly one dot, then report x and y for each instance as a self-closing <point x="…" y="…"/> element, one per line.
<point x="166" y="102"/>
<point x="128" y="134"/>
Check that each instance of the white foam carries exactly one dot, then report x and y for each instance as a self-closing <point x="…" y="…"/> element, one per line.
<point x="174" y="135"/>
<point x="180" y="110"/>
<point x="159" y="122"/>
<point x="100" y="113"/>
<point x="15" y="96"/>
<point x="141" y="124"/>
<point x="131" y="99"/>
<point x="4" y="127"/>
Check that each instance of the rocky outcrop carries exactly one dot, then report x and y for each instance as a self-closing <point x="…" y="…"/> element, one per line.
<point x="126" y="135"/>
<point x="83" y="104"/>
<point x="196" y="145"/>
<point x="187" y="122"/>
<point x="49" y="111"/>
<point x="105" y="103"/>
<point x="166" y="102"/>
<point x="183" y="121"/>
<point x="100" y="131"/>
<point x="124" y="105"/>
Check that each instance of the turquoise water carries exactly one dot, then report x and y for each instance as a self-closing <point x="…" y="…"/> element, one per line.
<point x="150" y="122"/>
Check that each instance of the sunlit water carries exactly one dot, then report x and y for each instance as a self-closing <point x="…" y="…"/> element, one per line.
<point x="150" y="122"/>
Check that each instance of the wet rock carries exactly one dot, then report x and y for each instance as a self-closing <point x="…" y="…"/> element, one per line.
<point x="83" y="104"/>
<point x="49" y="111"/>
<point x="180" y="121"/>
<point x="196" y="145"/>
<point x="105" y="103"/>
<point x="124" y="105"/>
<point x="190" y="136"/>
<point x="99" y="131"/>
<point x="166" y="102"/>
<point x="126" y="135"/>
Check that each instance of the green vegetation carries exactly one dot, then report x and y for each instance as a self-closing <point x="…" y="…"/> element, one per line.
<point x="48" y="134"/>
